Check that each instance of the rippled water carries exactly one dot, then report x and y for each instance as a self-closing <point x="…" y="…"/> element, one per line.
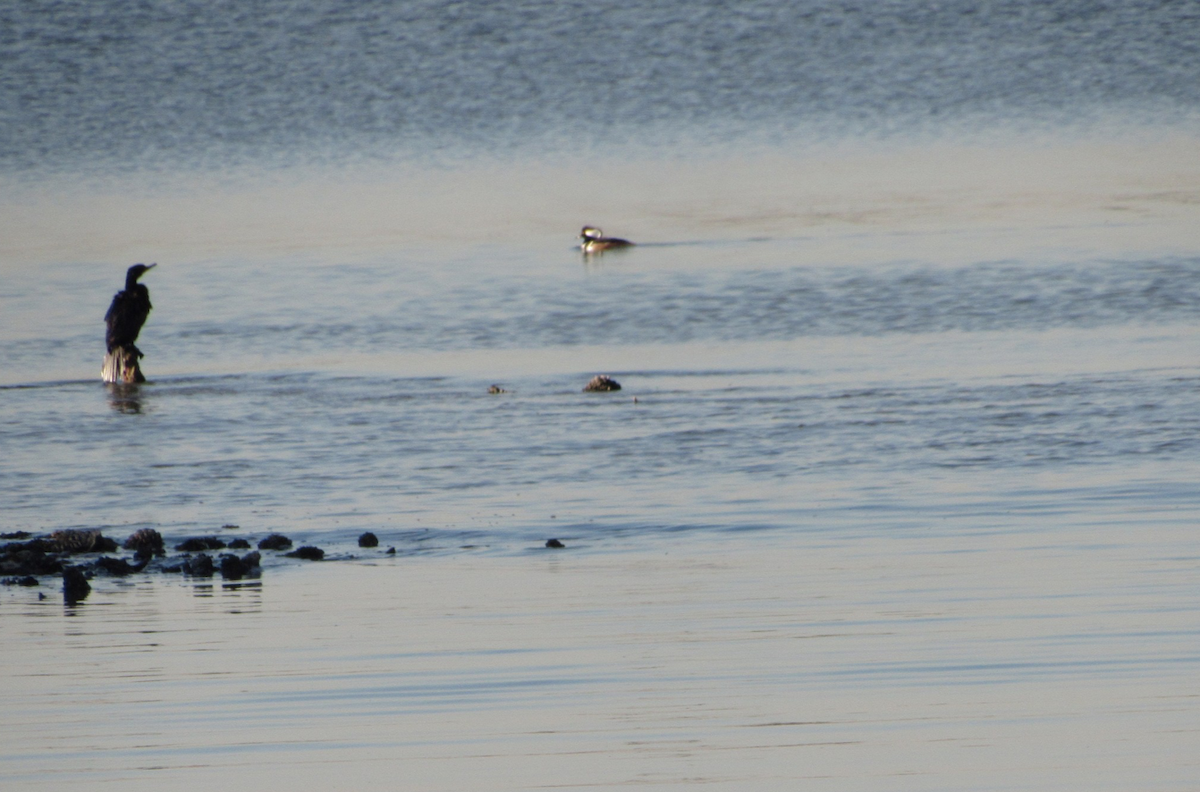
<point x="899" y="492"/>
<point x="740" y="376"/>
<point x="114" y="83"/>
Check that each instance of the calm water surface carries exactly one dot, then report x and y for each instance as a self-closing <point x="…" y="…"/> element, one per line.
<point x="900" y="490"/>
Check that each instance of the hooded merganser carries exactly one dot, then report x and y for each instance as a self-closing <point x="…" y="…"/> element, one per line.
<point x="594" y="241"/>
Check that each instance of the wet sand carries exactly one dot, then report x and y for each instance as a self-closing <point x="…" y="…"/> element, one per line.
<point x="1003" y="651"/>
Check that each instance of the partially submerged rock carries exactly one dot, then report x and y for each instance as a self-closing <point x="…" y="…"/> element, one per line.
<point x="308" y="553"/>
<point x="22" y="563"/>
<point x="199" y="566"/>
<point x="275" y="542"/>
<point x="74" y="540"/>
<point x="119" y="567"/>
<point x="75" y="585"/>
<point x="601" y="383"/>
<point x="199" y="544"/>
<point x="29" y="558"/>
<point x="235" y="568"/>
<point x="146" y="541"/>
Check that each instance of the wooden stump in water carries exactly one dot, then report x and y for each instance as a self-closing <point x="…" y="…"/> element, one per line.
<point x="121" y="365"/>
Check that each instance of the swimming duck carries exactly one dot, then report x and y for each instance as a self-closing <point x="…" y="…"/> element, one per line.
<point x="594" y="241"/>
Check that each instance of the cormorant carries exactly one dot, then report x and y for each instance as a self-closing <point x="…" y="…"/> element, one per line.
<point x="129" y="310"/>
<point x="594" y="241"/>
<point x="125" y="318"/>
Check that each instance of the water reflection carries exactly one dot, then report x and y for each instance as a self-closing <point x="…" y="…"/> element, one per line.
<point x="243" y="596"/>
<point x="125" y="398"/>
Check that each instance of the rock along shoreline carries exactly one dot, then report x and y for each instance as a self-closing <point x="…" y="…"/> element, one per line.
<point x="78" y="556"/>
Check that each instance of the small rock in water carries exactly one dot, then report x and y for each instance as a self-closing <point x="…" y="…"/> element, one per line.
<point x="119" y="567"/>
<point x="368" y="540"/>
<point x="390" y="551"/>
<point x="308" y="553"/>
<point x="73" y="540"/>
<point x="75" y="585"/>
<point x="29" y="558"/>
<point x="200" y="566"/>
<point x="200" y="544"/>
<point x="554" y="543"/>
<point x="145" y="541"/>
<point x="275" y="542"/>
<point x="27" y="580"/>
<point x="601" y="383"/>
<point x="239" y="544"/>
<point x="496" y="389"/>
<point x="234" y="568"/>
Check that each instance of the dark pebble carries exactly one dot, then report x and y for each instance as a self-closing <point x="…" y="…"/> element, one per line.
<point x="239" y="544"/>
<point x="232" y="567"/>
<point x="390" y="551"/>
<point x="275" y="542"/>
<point x="145" y="541"/>
<point x="308" y="553"/>
<point x="602" y="383"/>
<point x="119" y="567"/>
<point x="200" y="566"/>
<point x="368" y="540"/>
<point x="75" y="585"/>
<point x="554" y="543"/>
<point x="200" y="544"/>
<point x="76" y="540"/>
<point x="28" y="558"/>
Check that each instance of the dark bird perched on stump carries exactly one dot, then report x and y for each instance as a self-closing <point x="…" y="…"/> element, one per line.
<point x="125" y="318"/>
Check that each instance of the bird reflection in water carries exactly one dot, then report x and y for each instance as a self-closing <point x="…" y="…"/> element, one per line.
<point x="125" y="398"/>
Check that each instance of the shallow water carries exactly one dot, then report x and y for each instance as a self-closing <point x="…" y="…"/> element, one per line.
<point x="1001" y="650"/>
<point x="113" y="84"/>
<point x="900" y="490"/>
